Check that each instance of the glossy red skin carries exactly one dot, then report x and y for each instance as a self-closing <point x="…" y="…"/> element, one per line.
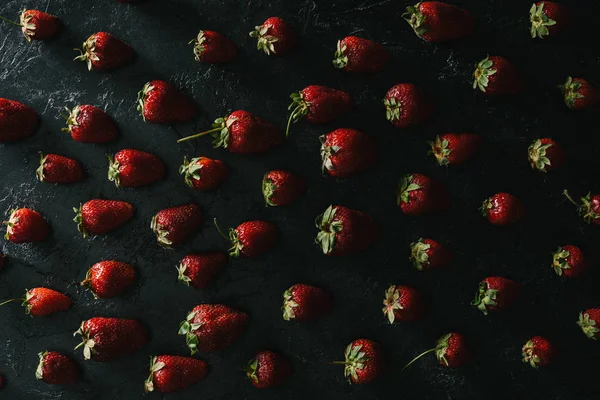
<point x="506" y="209"/>
<point x="358" y="234"/>
<point x="445" y="22"/>
<point x="576" y="260"/>
<point x="111" y="51"/>
<point x="326" y="104"/>
<point x="544" y="349"/>
<point x="110" y="278"/>
<point x="284" y="32"/>
<point x="102" y="216"/>
<point x="272" y="369"/>
<point x="30" y="227"/>
<point x="364" y="55"/>
<point x="221" y="326"/>
<point x="212" y="174"/>
<point x="558" y="13"/>
<point x="431" y="197"/>
<point x="3" y="261"/>
<point x="166" y="104"/>
<point x="375" y="366"/>
<point x="178" y="373"/>
<point x="58" y="369"/>
<point x="46" y="25"/>
<point x="218" y="49"/>
<point x="44" y="302"/>
<point x="590" y="94"/>
<point x="457" y="353"/>
<point x="415" y="105"/>
<point x="412" y="302"/>
<point x="60" y="169"/>
<point x="93" y="126"/>
<point x="115" y="338"/>
<point x="289" y="187"/>
<point x="358" y="152"/>
<point x="508" y="291"/>
<point x="313" y="302"/>
<point x="506" y="81"/>
<point x="256" y="237"/>
<point x="594" y="314"/>
<point x="463" y="146"/>
<point x="181" y="222"/>
<point x="138" y="168"/>
<point x="438" y="255"/>
<point x="555" y="153"/>
<point x="202" y="268"/>
<point x="249" y="134"/>
<point x="17" y="121"/>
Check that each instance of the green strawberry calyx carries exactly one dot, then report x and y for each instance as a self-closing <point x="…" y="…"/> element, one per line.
<point x="537" y="155"/>
<point x="39" y="371"/>
<point x="79" y="221"/>
<point x="441" y="346"/>
<point x="268" y="189"/>
<point x="161" y="232"/>
<point x="529" y="355"/>
<point x="252" y="370"/>
<point x="585" y="208"/>
<point x="141" y="101"/>
<point x="181" y="270"/>
<point x="265" y="41"/>
<point x="419" y="255"/>
<point x="391" y="302"/>
<point x="113" y="171"/>
<point x="299" y="107"/>
<point x="87" y="342"/>
<point x="539" y="21"/>
<point x="88" y="52"/>
<point x="356" y="360"/>
<point x="570" y="91"/>
<point x="12" y="220"/>
<point x="340" y="59"/>
<point x="39" y="173"/>
<point x="199" y="47"/>
<point x="236" y="244"/>
<point x="588" y="325"/>
<point x="191" y="170"/>
<point x="219" y="132"/>
<point x="486" y="207"/>
<point x="416" y="19"/>
<point x="71" y="118"/>
<point x="559" y="261"/>
<point x="288" y="305"/>
<point x="188" y="328"/>
<point x="326" y="153"/>
<point x="440" y="150"/>
<point x="482" y="73"/>
<point x="154" y="367"/>
<point x="27" y="26"/>
<point x="404" y="188"/>
<point x="393" y="106"/>
<point x="484" y="297"/>
<point x="329" y="228"/>
<point x="88" y="282"/>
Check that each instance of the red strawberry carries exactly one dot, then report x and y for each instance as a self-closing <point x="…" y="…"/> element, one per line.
<point x="451" y="351"/>
<point x="495" y="294"/>
<point x="17" y="121"/>
<point x="403" y="303"/>
<point x="268" y="369"/>
<point x="548" y="19"/>
<point x="102" y="51"/>
<point x="251" y="239"/>
<point x="25" y="225"/>
<point x="281" y="188"/>
<point x="108" y="339"/>
<point x="318" y="104"/>
<point x="172" y="373"/>
<point x="38" y="25"/>
<point x="97" y="217"/>
<point x="89" y="124"/>
<point x="496" y="76"/>
<point x="589" y="322"/>
<point x="343" y="231"/>
<point x="174" y="225"/>
<point x="503" y="209"/>
<point x="546" y="155"/>
<point x="579" y="94"/>
<point x="455" y="148"/>
<point x="429" y="254"/>
<point x="305" y="303"/>
<point x="275" y="36"/>
<point x="418" y="194"/>
<point x="569" y="261"/>
<point x="436" y="22"/>
<point x="199" y="270"/>
<point x="3" y="261"/>
<point x="354" y="54"/>
<point x="345" y="152"/>
<point x="132" y="168"/>
<point x="108" y="279"/>
<point x="41" y="302"/>
<point x="160" y="102"/>
<point x="211" y="47"/>
<point x="365" y="361"/>
<point x="589" y="208"/>
<point x="538" y="352"/>
<point x="58" y="169"/>
<point x="57" y="369"/>
<point x="204" y="173"/>
<point x="243" y="133"/>
<point x="212" y="327"/>
<point x="407" y="105"/>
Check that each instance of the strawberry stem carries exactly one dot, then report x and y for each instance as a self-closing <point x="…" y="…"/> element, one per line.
<point x="419" y="356"/>
<point x="220" y="231"/>
<point x="9" y="301"/>
<point x="9" y="21"/>
<point x="568" y="196"/>
<point x="290" y="119"/>
<point x="200" y="134"/>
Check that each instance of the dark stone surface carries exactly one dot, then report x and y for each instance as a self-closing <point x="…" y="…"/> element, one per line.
<point x="43" y="76"/>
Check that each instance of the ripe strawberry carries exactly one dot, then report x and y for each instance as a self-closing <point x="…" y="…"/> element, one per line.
<point x="132" y="168"/>
<point x="97" y="217"/>
<point x="108" y="339"/>
<point x="407" y="105"/>
<point x="403" y="303"/>
<point x="589" y="208"/>
<point x="538" y="352"/>
<point x="251" y="239"/>
<point x="268" y="369"/>
<point x="17" y="121"/>
<point x="199" y="270"/>
<point x="354" y="54"/>
<point x="275" y="36"/>
<point x="57" y="369"/>
<point x="212" y="327"/>
<point x="451" y="351"/>
<point x="281" y="188"/>
<point x="204" y="173"/>
<point x="108" y="279"/>
<point x="58" y="169"/>
<point x="159" y="102"/>
<point x="436" y="22"/>
<point x="211" y="47"/>
<point x="305" y="303"/>
<point x="343" y="231"/>
<point x="365" y="361"/>
<point x="579" y="94"/>
<point x="495" y="294"/>
<point x="172" y="373"/>
<point x="496" y="76"/>
<point x="455" y="148"/>
<point x="503" y="209"/>
<point x="174" y="225"/>
<point x="103" y="51"/>
<point x="548" y="19"/>
<point x="418" y="194"/>
<point x="569" y="261"/>
<point x="429" y="254"/>
<point x="3" y="261"/>
<point x="25" y="225"/>
<point x="41" y="302"/>
<point x="345" y="152"/>
<point x="89" y="124"/>
<point x="546" y="155"/>
<point x="589" y="322"/>
<point x="36" y="25"/>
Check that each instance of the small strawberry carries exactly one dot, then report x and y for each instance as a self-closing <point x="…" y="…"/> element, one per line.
<point x="455" y="148"/>
<point x="109" y="339"/>
<point x="451" y="350"/>
<point x="172" y="373"/>
<point x="108" y="279"/>
<point x="132" y="168"/>
<point x="212" y="327"/>
<point x="58" y="169"/>
<point x="579" y="94"/>
<point x="89" y="124"/>
<point x="160" y="102"/>
<point x="17" y="121"/>
<point x="589" y="322"/>
<point x="548" y="18"/>
<point x="204" y="173"/>
<point x="365" y="361"/>
<point x="103" y="51"/>
<point x="3" y="261"/>
<point x="57" y="369"/>
<point x="496" y="76"/>
<point x="407" y="105"/>
<point x="437" y="22"/>
<point x="403" y="303"/>
<point x="345" y="152"/>
<point x="211" y="47"/>
<point x="569" y="261"/>
<point x="199" y="270"/>
<point x="25" y="225"/>
<point x="546" y="155"/>
<point x="97" y="217"/>
<point x="250" y="239"/>
<point x="275" y="36"/>
<point x="495" y="294"/>
<point x="354" y="54"/>
<point x="418" y="194"/>
<point x="281" y="188"/>
<point x="538" y="352"/>
<point x="41" y="302"/>
<point x="503" y="209"/>
<point x="429" y="254"/>
<point x="305" y="303"/>
<point x="589" y="208"/>
<point x="268" y="369"/>
<point x="174" y="225"/>
<point x="343" y="231"/>
<point x="36" y="25"/>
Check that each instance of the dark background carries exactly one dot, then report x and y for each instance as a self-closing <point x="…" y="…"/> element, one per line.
<point x="43" y="76"/>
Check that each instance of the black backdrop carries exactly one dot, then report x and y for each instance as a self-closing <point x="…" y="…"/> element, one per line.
<point x="43" y="76"/>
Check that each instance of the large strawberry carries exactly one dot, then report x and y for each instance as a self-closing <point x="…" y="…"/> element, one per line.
<point x="589" y="208"/>
<point x="89" y="124"/>
<point x="569" y="261"/>
<point x="108" y="279"/>
<point x="502" y="209"/>
<point x="57" y="369"/>
<point x="546" y="155"/>
<point x="403" y="303"/>
<point x="281" y="188"/>
<point x="407" y="105"/>
<point x="343" y="231"/>
<point x="496" y="76"/>
<point x="172" y="373"/>
<point x="451" y="350"/>
<point x="41" y="302"/>
<point x="538" y="352"/>
<point x="97" y="217"/>
<point x="418" y="194"/>
<point x="455" y="148"/>
<point x="174" y="225"/>
<point x="548" y="18"/>
<point x="36" y="24"/>
<point x="204" y="173"/>
<point x="495" y="294"/>
<point x="305" y="303"/>
<point x="58" y="169"/>
<point x="103" y="51"/>
<point x="250" y="239"/>
<point x="275" y="36"/>
<point x="345" y="152"/>
<point x="365" y="361"/>
<point x="589" y="322"/>
<point x="429" y="254"/>
<point x="132" y="168"/>
<point x="199" y="270"/>
<point x="17" y="121"/>
<point x="25" y="225"/>
<point x="160" y="102"/>
<point x="436" y="22"/>
<point x="108" y="339"/>
<point x="268" y="369"/>
<point x="354" y="54"/>
<point x="211" y="47"/>
<point x="579" y="94"/>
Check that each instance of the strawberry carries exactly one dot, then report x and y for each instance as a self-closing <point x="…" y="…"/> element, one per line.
<point x="407" y="105"/>
<point x="211" y="47"/>
<point x="579" y="94"/>
<point x="496" y="76"/>
<point x="132" y="168"/>
<point x="212" y="327"/>
<point x="204" y="173"/>
<point x="318" y="104"/>
<point x="25" y="225"/>
<point x="345" y="152"/>
<point x="418" y="194"/>
<point x="589" y="208"/>
<point x="569" y="261"/>
<point x="495" y="294"/>
<point x="589" y="322"/>
<point x="3" y="261"/>
<point x="103" y="51"/>
<point x="403" y="303"/>
<point x="199" y="270"/>
<point x="251" y="239"/>
<point x="243" y="133"/>
<point x="36" y="25"/>
<point x="109" y="339"/>
<point x="455" y="148"/>
<point x="343" y="231"/>
<point x="17" y="121"/>
<point x="108" y="279"/>
<point x="275" y="36"/>
<point x="172" y="373"/>
<point x="546" y="155"/>
<point x="429" y="254"/>
<point x="160" y="102"/>
<point x="89" y="124"/>
<point x="58" y="169"/>
<point x="57" y="369"/>
<point x="305" y="303"/>
<point x="503" y="209"/>
<point x="538" y="352"/>
<point x="268" y="369"/>
<point x="41" y="302"/>
<point x="437" y="22"/>
<point x="364" y="362"/>
<point x="548" y="19"/>
<point x="282" y="188"/>
<point x="451" y="351"/>
<point x="354" y="54"/>
<point x="174" y="225"/>
<point x="97" y="217"/>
